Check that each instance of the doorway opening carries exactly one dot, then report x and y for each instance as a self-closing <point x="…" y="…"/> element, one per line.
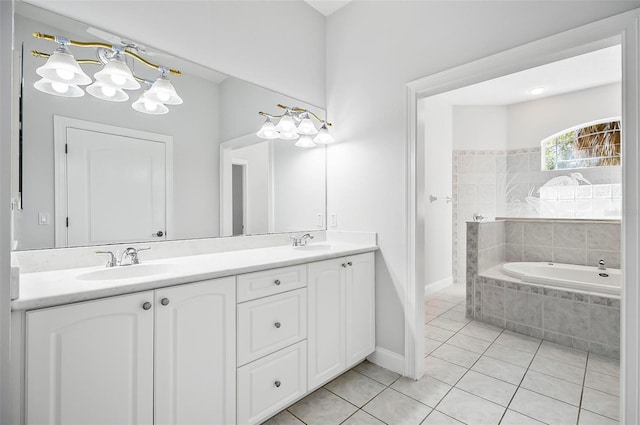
<point x="239" y="193"/>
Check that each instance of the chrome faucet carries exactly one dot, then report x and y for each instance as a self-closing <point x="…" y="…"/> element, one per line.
<point x="301" y="241"/>
<point x="602" y="265"/>
<point x="130" y="252"/>
<point x="112" y="258"/>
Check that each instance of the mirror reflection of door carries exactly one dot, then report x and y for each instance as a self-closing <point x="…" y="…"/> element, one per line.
<point x="115" y="185"/>
<point x="238" y="182"/>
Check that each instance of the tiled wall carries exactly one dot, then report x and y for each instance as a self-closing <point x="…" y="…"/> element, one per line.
<point x="497" y="183"/>
<point x="571" y="242"/>
<point x="572" y="319"/>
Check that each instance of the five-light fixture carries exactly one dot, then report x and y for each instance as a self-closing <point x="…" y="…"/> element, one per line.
<point x="62" y="76"/>
<point x="296" y="123"/>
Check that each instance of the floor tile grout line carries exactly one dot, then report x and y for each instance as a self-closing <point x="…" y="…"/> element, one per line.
<point x="520" y="385"/>
<point x="584" y="380"/>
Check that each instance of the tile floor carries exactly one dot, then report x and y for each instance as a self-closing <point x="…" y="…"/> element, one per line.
<point x="474" y="374"/>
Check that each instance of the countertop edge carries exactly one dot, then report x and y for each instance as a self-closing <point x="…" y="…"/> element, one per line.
<point x="18" y="305"/>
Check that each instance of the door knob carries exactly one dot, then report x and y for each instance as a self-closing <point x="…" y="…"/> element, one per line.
<point x="159" y="234"/>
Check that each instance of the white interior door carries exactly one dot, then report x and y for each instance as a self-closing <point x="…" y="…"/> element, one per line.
<point x="116" y="186"/>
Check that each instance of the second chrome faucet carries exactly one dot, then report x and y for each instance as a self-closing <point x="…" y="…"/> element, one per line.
<point x="129" y="257"/>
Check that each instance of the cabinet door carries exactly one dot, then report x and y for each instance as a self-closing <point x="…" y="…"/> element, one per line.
<point x="91" y="362"/>
<point x="360" y="311"/>
<point x="195" y="353"/>
<point x="325" y="339"/>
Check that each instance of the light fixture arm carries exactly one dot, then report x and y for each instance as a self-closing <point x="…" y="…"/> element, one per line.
<point x="105" y="46"/>
<point x="296" y="110"/>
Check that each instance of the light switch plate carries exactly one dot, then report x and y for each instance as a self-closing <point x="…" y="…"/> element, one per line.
<point x="43" y="218"/>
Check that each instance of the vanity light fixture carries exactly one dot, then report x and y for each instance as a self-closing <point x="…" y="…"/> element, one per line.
<point x="62" y="74"/>
<point x="296" y="123"/>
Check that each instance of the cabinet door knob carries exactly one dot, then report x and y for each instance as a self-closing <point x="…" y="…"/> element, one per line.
<point x="277" y="384"/>
<point x="277" y="325"/>
<point x="344" y="265"/>
<point x="164" y="301"/>
<point x="146" y="306"/>
<point x="350" y="263"/>
<point x="277" y="281"/>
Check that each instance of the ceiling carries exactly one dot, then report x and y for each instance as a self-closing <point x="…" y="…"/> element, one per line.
<point x="327" y="7"/>
<point x="592" y="69"/>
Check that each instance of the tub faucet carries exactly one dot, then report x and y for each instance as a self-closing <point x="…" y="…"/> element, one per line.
<point x="602" y="265"/>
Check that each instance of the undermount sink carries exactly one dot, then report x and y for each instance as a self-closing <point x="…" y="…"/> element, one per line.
<point x="127" y="272"/>
<point x="314" y="247"/>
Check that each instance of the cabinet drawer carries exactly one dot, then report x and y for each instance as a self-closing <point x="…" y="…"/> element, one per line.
<point x="270" y="282"/>
<point x="268" y="324"/>
<point x="268" y="385"/>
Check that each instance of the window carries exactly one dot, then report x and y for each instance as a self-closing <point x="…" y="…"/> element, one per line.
<point x="591" y="145"/>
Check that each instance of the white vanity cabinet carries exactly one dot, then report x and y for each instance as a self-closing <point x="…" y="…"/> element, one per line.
<point x="103" y="361"/>
<point x="341" y="318"/>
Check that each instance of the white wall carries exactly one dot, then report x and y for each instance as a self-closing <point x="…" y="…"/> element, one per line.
<point x="195" y="151"/>
<point x="479" y="127"/>
<point x="529" y="123"/>
<point x="438" y="117"/>
<point x="373" y="50"/>
<point x="258" y="181"/>
<point x="275" y="44"/>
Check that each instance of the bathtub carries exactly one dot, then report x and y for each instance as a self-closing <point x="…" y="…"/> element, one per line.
<point x="570" y="276"/>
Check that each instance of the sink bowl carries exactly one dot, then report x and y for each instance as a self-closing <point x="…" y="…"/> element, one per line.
<point x="127" y="272"/>
<point x="314" y="247"/>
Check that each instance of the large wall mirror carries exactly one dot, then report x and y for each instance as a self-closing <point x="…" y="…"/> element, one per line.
<point x="94" y="172"/>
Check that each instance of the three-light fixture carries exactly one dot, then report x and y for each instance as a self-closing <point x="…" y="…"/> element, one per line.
<point x="296" y="124"/>
<point x="62" y="76"/>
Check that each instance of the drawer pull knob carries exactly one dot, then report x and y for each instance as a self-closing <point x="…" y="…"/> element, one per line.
<point x="277" y="282"/>
<point x="350" y="263"/>
<point x="164" y="301"/>
<point x="277" y="384"/>
<point x="146" y="306"/>
<point x="344" y="265"/>
<point x="277" y="325"/>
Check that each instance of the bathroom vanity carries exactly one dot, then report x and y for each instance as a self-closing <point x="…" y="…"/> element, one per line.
<point x="224" y="338"/>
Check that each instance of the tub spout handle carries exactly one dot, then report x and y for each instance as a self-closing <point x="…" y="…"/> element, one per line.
<point x="602" y="265"/>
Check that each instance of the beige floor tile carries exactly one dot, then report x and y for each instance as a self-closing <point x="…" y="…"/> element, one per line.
<point x="602" y="382"/>
<point x="470" y="409"/>
<point x="426" y="390"/>
<point x="464" y="358"/>
<point x="552" y="387"/>
<point x="375" y="372"/>
<point x="509" y="355"/>
<point x="518" y="341"/>
<point x="590" y="418"/>
<point x="439" y="418"/>
<point x="322" y="408"/>
<point x="443" y="370"/>
<point x="450" y="325"/>
<point x="489" y="388"/>
<point x="437" y="333"/>
<point x="558" y="369"/>
<point x="395" y="408"/>
<point x="430" y="345"/>
<point x="603" y="364"/>
<point x="500" y="370"/>
<point x="562" y="354"/>
<point x="542" y="408"/>
<point x="458" y="316"/>
<point x="469" y="343"/>
<point x="362" y="418"/>
<point x="512" y="417"/>
<point x="355" y="388"/>
<point x="601" y="403"/>
<point x="283" y="418"/>
<point x="481" y="330"/>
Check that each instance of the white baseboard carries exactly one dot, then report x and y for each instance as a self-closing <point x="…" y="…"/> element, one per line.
<point x="438" y="285"/>
<point x="388" y="360"/>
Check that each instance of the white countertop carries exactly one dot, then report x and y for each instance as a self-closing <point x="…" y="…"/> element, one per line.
<point x="51" y="288"/>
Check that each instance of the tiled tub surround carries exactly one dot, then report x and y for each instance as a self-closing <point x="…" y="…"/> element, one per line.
<point x="577" y="319"/>
<point x="563" y="241"/>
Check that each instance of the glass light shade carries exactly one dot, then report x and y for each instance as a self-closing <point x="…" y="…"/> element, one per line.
<point x="116" y="73"/>
<point x="307" y="127"/>
<point x="162" y="91"/>
<point x="61" y="67"/>
<point x="286" y="124"/>
<point x="291" y="135"/>
<point x="147" y="106"/>
<point x="324" y="137"/>
<point x="107" y="92"/>
<point x="58" y="89"/>
<point x="305" y="142"/>
<point x="268" y="130"/>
